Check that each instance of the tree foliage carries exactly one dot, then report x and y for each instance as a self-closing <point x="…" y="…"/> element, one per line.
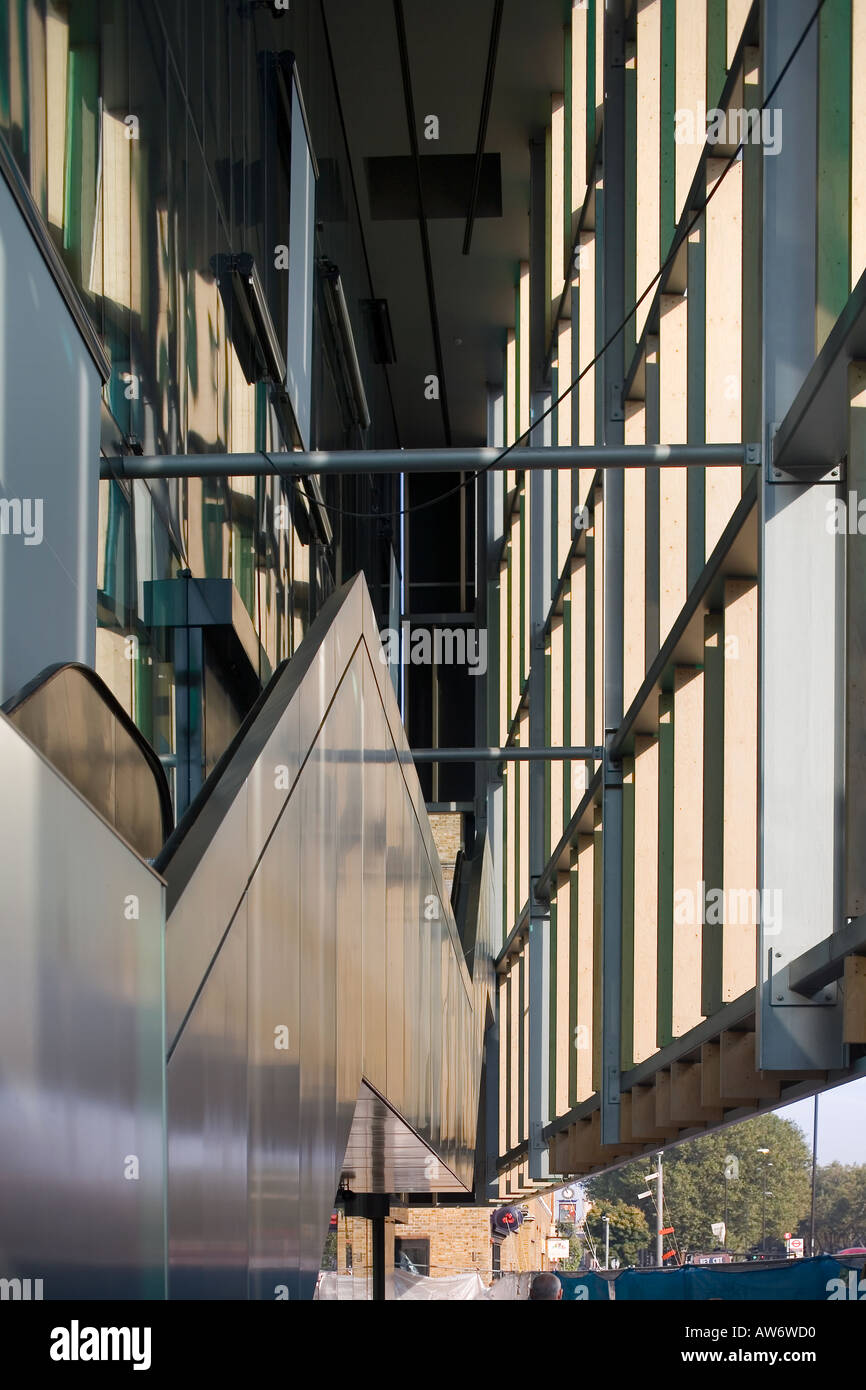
<point x="840" y="1207"/>
<point x="629" y="1232"/>
<point x="695" y="1184"/>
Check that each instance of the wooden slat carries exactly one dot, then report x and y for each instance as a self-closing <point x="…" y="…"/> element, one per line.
<point x="631" y="985"/>
<point x="713" y="810"/>
<point x="565" y="525"/>
<point x="723" y="339"/>
<point x="598" y="618"/>
<point x="643" y="1116"/>
<point x="523" y="337"/>
<point x="673" y="482"/>
<point x="687" y="1107"/>
<point x="738" y="11"/>
<point x="688" y="848"/>
<point x="648" y="130"/>
<point x="665" y="911"/>
<point x="564" y="1036"/>
<point x="597" y="989"/>
<point x="691" y="69"/>
<point x="634" y="563"/>
<point x="646" y="871"/>
<point x="579" y="16"/>
<point x="741" y="790"/>
<point x="584" y="967"/>
<point x="739" y="1075"/>
<point x="556" y="222"/>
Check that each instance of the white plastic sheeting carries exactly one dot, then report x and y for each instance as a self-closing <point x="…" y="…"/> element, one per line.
<point x="416" y="1288"/>
<point x="420" y="1289"/>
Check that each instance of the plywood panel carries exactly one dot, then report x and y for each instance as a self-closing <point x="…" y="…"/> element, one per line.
<point x="584" y="965"/>
<point x="673" y="482"/>
<point x="646" y="869"/>
<point x="564" y="1039"/>
<point x="579" y="17"/>
<point x="633" y="559"/>
<point x="648" y="129"/>
<point x="739" y="962"/>
<point x="691" y="78"/>
<point x="724" y="247"/>
<point x="688" y="848"/>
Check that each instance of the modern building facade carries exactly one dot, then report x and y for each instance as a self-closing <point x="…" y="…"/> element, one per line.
<point x="429" y="610"/>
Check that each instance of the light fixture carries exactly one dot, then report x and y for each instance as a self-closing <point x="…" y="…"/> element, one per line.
<point x="338" y="313"/>
<point x="252" y="330"/>
<point x="285" y="75"/>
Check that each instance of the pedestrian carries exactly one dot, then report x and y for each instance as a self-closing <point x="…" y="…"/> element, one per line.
<point x="545" y="1288"/>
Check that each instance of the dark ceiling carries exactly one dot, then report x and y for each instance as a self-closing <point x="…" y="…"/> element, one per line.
<point x="447" y="45"/>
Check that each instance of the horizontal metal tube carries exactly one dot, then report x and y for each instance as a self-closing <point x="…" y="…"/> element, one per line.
<point x="503" y="755"/>
<point x="425" y="460"/>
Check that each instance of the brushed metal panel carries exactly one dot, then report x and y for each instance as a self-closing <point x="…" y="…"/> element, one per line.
<point x="274" y="1077"/>
<point x="207" y="1134"/>
<point x="335" y="939"/>
<point x="349" y="870"/>
<point x="81" y="1041"/>
<point x="374" y="793"/>
<point x="395" y="891"/>
<point x="318" y="1043"/>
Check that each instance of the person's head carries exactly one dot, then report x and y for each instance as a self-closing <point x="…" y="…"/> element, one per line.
<point x="546" y="1288"/>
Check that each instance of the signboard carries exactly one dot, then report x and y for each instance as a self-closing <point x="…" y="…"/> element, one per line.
<point x="557" y="1249"/>
<point x="795" y="1245"/>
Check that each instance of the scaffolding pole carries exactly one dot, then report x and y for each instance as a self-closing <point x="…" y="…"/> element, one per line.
<point x="354" y="461"/>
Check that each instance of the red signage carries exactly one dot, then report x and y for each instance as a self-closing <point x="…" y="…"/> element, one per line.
<point x="667" y="1230"/>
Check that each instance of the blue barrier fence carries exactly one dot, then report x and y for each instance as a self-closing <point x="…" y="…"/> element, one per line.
<point x="820" y="1280"/>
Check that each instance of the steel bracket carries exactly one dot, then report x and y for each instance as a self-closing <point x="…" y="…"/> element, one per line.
<point x="616" y="410"/>
<point x="781" y="995"/>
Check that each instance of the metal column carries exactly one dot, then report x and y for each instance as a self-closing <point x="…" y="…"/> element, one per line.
<point x="540" y="595"/>
<point x="613" y="267"/>
<point x="801" y="589"/>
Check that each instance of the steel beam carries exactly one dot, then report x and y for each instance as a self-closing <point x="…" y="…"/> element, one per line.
<point x="366" y="461"/>
<point x="613" y="262"/>
<point x="802" y="593"/>
<point x="504" y="755"/>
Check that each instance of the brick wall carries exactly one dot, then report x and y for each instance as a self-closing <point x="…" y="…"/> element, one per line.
<point x="459" y="1240"/>
<point x="447" y="827"/>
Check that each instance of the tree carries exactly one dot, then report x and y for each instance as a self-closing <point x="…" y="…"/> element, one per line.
<point x="629" y="1232"/>
<point x="575" y="1247"/>
<point x="840" y="1207"/>
<point x="777" y="1184"/>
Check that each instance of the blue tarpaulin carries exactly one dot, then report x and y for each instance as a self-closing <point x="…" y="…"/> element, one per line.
<point x="796" y="1280"/>
<point x="587" y="1288"/>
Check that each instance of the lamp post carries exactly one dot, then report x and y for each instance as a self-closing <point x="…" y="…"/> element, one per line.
<point x="606" y="1220"/>
<point x="764" y="1166"/>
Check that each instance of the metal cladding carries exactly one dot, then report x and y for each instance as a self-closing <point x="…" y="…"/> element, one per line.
<point x="311" y="951"/>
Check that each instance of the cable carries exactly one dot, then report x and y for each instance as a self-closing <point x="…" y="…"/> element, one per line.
<point x="678" y="242"/>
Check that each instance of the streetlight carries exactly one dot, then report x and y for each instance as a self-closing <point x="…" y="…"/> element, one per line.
<point x="764" y="1166"/>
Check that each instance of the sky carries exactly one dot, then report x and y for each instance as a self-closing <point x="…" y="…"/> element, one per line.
<point x="841" y="1122"/>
